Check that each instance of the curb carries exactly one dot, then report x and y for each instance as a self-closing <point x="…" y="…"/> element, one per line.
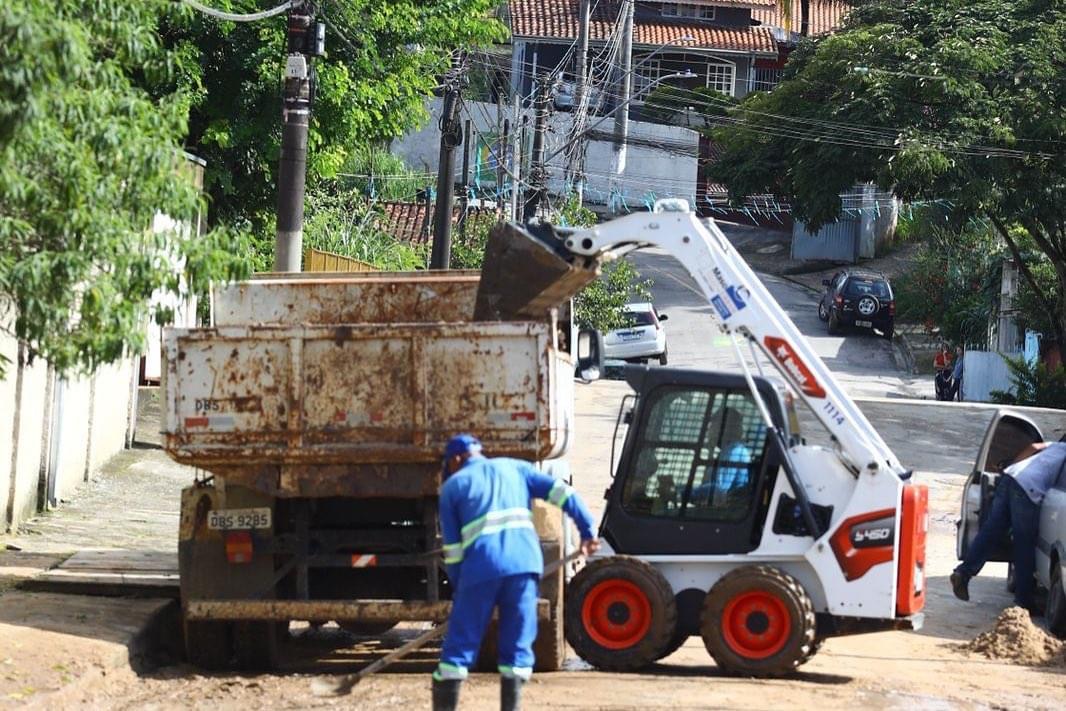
<point x="903" y="354"/>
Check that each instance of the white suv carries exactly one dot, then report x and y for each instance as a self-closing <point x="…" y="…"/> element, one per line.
<point x="642" y="338"/>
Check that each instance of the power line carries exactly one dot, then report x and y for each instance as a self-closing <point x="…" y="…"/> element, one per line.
<point x="237" y="17"/>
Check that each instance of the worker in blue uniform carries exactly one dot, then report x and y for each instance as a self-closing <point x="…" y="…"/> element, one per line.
<point x="492" y="554"/>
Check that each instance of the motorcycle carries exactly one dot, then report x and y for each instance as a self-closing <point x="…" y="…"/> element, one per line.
<point x="942" y="382"/>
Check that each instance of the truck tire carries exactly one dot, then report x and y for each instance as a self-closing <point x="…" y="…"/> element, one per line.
<point x="256" y="645"/>
<point x="620" y="614"/>
<point x="758" y="621"/>
<point x="208" y="645"/>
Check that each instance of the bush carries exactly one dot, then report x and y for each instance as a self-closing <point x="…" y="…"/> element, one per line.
<point x="1034" y="385"/>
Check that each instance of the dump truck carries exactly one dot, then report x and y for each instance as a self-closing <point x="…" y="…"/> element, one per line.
<point x="315" y="409"/>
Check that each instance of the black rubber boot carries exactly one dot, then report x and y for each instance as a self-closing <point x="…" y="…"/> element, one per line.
<point x="446" y="694"/>
<point x="511" y="693"/>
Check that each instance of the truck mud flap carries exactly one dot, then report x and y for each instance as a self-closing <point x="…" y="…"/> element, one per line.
<point x="354" y="610"/>
<point x="528" y="272"/>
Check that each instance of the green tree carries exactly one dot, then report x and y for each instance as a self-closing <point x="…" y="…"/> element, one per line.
<point x="87" y="161"/>
<point x="383" y="59"/>
<point x="963" y="100"/>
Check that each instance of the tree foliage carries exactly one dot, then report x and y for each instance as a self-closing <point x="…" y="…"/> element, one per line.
<point x="1034" y="385"/>
<point x="963" y="100"/>
<point x="954" y="284"/>
<point x="87" y="161"/>
<point x="382" y="60"/>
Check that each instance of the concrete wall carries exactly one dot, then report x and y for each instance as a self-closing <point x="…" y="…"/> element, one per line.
<point x="57" y="433"/>
<point x="660" y="160"/>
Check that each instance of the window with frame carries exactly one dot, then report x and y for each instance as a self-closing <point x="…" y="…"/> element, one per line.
<point x="647" y="73"/>
<point x="688" y="10"/>
<point x="698" y="457"/>
<point x="720" y="77"/>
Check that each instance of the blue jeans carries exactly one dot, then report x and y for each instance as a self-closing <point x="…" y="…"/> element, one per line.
<point x="1011" y="510"/>
<point x="515" y="597"/>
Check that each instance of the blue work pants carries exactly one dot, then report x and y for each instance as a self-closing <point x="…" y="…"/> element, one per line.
<point x="1011" y="510"/>
<point x="515" y="596"/>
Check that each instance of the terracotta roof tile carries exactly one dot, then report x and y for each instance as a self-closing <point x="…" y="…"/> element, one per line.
<point x="558" y="19"/>
<point x="405" y="220"/>
<point x="413" y="221"/>
<point x="826" y="16"/>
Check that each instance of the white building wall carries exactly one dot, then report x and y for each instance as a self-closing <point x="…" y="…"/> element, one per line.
<point x="661" y="160"/>
<point x="66" y="430"/>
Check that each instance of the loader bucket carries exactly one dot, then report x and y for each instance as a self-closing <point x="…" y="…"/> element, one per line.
<point x="526" y="273"/>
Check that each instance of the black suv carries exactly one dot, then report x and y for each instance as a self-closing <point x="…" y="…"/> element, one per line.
<point x="857" y="297"/>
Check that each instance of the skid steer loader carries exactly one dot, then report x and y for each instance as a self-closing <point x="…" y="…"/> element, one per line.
<point x="721" y="521"/>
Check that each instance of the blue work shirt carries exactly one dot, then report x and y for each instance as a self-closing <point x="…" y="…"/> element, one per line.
<point x="957" y="372"/>
<point x="486" y="518"/>
<point x="1037" y="474"/>
<point x="733" y="467"/>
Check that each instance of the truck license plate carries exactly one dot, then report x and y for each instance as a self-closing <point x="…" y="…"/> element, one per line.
<point x="867" y="324"/>
<point x="230" y="519"/>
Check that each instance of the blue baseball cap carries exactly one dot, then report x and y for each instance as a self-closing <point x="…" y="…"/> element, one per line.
<point x="462" y="444"/>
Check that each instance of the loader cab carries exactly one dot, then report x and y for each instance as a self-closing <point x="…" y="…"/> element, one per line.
<point x="1007" y="434"/>
<point x="697" y="467"/>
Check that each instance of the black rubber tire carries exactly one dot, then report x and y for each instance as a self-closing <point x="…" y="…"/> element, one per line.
<point x="208" y="645"/>
<point x="823" y="314"/>
<point x="888" y="333"/>
<point x="800" y="635"/>
<point x="675" y="644"/>
<point x="256" y="645"/>
<point x="833" y="324"/>
<point x="628" y="573"/>
<point x="365" y="629"/>
<point x="1055" y="611"/>
<point x="663" y="358"/>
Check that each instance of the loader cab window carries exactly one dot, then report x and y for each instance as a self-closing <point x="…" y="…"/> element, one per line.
<point x="698" y="456"/>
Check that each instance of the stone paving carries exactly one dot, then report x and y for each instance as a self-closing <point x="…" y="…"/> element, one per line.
<point x="131" y="502"/>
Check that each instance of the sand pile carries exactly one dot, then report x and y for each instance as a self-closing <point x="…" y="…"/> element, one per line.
<point x="1014" y="638"/>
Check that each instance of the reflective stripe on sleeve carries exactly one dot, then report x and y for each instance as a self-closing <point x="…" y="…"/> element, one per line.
<point x="496" y="521"/>
<point x="559" y="493"/>
<point x="453" y="553"/>
<point x="523" y="673"/>
<point x="449" y="672"/>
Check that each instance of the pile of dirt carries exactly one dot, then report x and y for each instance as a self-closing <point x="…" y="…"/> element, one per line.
<point x="1014" y="638"/>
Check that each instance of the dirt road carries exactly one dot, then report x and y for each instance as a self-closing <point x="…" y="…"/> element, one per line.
<point x="890" y="670"/>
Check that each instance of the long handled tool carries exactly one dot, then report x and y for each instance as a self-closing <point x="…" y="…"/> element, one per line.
<point x="341" y="685"/>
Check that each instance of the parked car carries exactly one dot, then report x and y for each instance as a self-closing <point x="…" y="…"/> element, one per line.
<point x="860" y="298"/>
<point x="1007" y="434"/>
<point x="641" y="338"/>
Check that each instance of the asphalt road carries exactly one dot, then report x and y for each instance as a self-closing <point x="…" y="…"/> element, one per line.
<point x="861" y="360"/>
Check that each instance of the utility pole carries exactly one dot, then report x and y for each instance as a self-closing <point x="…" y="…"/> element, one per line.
<point x="538" y="172"/>
<point x="306" y="39"/>
<point x="516" y="156"/>
<point x="576" y="167"/>
<point x="466" y="179"/>
<point x="451" y="137"/>
<point x="621" y="121"/>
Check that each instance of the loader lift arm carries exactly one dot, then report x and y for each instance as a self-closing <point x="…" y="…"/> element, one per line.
<point x="744" y="306"/>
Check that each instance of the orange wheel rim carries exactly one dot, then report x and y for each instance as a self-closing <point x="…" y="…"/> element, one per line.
<point x="616" y="614"/>
<point x="756" y="624"/>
